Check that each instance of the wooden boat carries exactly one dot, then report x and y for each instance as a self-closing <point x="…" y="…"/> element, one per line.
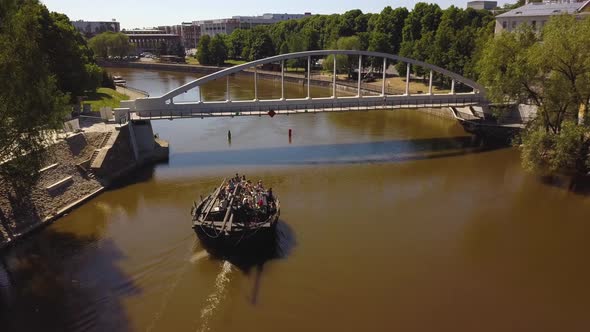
<point x="226" y="224"/>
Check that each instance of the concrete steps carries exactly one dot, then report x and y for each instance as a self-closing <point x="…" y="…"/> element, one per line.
<point x="105" y="139"/>
<point x="99" y="155"/>
<point x="99" y="159"/>
<point x="94" y="154"/>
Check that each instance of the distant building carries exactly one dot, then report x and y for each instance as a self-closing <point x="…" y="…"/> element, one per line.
<point x="216" y="27"/>
<point x="189" y="33"/>
<point x="481" y="5"/>
<point x="228" y="25"/>
<point x="93" y="28"/>
<point x="149" y="40"/>
<point x="536" y="14"/>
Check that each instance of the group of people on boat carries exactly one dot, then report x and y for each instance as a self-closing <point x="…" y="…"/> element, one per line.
<point x="251" y="201"/>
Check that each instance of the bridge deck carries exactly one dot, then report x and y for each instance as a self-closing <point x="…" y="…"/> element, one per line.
<point x="287" y="107"/>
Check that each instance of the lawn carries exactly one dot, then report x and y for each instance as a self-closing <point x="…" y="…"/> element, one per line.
<point x="104" y="97"/>
<point x="229" y="63"/>
<point x="234" y="62"/>
<point x="192" y="61"/>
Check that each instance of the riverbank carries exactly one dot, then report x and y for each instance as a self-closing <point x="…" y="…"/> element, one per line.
<point x="77" y="169"/>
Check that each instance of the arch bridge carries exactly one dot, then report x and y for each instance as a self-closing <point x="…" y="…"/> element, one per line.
<point x="165" y="107"/>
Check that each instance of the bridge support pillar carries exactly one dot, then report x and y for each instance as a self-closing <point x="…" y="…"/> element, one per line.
<point x="359" y="94"/>
<point x="142" y="137"/>
<point x="384" y="76"/>
<point x="430" y="83"/>
<point x="334" y="79"/>
<point x="283" y="80"/>
<point x="308" y="77"/>
<point x="228" y="93"/>
<point x="408" y="67"/>
<point x="453" y="87"/>
<point x="255" y="83"/>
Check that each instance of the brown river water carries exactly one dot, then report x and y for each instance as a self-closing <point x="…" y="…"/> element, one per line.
<point x="391" y="221"/>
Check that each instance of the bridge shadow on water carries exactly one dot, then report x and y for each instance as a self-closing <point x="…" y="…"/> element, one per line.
<point x="140" y="175"/>
<point x="252" y="262"/>
<point x="345" y="153"/>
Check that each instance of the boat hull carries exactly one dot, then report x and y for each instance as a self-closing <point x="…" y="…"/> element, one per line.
<point x="250" y="241"/>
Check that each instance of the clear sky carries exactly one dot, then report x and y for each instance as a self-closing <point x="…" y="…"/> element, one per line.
<point x="149" y="13"/>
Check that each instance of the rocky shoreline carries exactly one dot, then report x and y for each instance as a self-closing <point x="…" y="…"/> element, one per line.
<point x="68" y="179"/>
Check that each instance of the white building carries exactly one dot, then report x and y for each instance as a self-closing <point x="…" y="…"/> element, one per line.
<point x="228" y="25"/>
<point x="537" y="14"/>
<point x="482" y="5"/>
<point x="216" y="27"/>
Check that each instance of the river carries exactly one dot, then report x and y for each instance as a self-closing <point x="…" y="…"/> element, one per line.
<point x="391" y="221"/>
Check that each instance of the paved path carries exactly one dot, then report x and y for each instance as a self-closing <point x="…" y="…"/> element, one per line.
<point x="132" y="93"/>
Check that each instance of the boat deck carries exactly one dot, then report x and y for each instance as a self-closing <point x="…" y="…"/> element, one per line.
<point x="209" y="214"/>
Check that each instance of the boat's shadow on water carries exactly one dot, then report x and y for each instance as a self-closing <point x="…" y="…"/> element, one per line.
<point x="249" y="260"/>
<point x="253" y="262"/>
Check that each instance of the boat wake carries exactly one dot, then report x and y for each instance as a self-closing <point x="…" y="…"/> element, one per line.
<point x="199" y="256"/>
<point x="175" y="281"/>
<point x="216" y="297"/>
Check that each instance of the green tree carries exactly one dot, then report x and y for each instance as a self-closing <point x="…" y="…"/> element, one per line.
<point x="455" y="42"/>
<point x="552" y="74"/>
<point x="100" y="46"/>
<point x="111" y="44"/>
<point x="389" y="22"/>
<point x="178" y="50"/>
<point x="284" y="49"/>
<point x="204" y="50"/>
<point x="379" y="42"/>
<point x="310" y="38"/>
<point x="31" y="104"/>
<point x="70" y="58"/>
<point x="418" y="34"/>
<point x="343" y="62"/>
<point x="261" y="46"/>
<point x="217" y="51"/>
<point x="348" y="22"/>
<point x="237" y="41"/>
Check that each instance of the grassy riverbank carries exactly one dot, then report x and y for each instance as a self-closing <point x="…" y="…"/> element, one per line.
<point x="229" y="63"/>
<point x="104" y="97"/>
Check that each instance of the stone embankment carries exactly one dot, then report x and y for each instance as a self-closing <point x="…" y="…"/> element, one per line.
<point x="78" y="168"/>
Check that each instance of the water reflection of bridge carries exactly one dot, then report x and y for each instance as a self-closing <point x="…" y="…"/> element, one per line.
<point x="165" y="107"/>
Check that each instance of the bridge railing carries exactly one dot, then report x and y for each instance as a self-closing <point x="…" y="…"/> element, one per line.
<point x="316" y="106"/>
